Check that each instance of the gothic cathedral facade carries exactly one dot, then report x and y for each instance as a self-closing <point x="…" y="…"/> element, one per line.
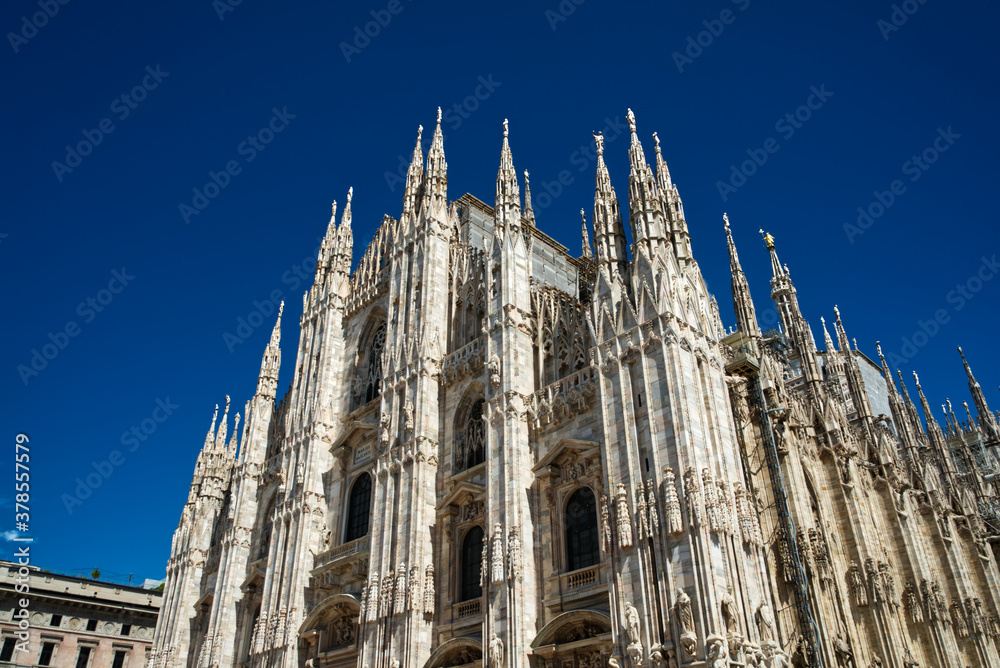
<point x="495" y="453"/>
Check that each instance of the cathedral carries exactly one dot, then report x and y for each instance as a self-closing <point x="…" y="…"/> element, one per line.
<point x="494" y="452"/>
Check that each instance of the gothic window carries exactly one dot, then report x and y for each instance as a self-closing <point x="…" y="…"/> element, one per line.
<point x="359" y="508"/>
<point x="475" y="435"/>
<point x="472" y="564"/>
<point x="373" y="379"/>
<point x="582" y="538"/>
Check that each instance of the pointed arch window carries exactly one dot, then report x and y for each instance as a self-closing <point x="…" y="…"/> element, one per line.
<point x="373" y="379"/>
<point x="359" y="508"/>
<point x="472" y="564"/>
<point x="475" y="435"/>
<point x="582" y="537"/>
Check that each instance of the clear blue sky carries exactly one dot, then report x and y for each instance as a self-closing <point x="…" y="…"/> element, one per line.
<point x="215" y="82"/>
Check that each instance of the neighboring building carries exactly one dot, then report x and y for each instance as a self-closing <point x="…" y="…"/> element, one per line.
<point x="493" y="453"/>
<point x="76" y="622"/>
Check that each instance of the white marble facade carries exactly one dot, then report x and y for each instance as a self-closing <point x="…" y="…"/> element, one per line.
<point x="496" y="453"/>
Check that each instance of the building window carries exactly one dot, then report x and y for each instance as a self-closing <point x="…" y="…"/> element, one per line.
<point x="126" y="629"/>
<point x="472" y="564"/>
<point x="475" y="435"/>
<point x="582" y="538"/>
<point x="45" y="656"/>
<point x="119" y="660"/>
<point x="359" y="508"/>
<point x="91" y="624"/>
<point x="56" y="620"/>
<point x="373" y="381"/>
<point x="83" y="658"/>
<point x="8" y="648"/>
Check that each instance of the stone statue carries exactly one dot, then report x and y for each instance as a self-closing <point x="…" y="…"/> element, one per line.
<point x="608" y="539"/>
<point x="730" y="613"/>
<point x="845" y="657"/>
<point x="497" y="570"/>
<point x="514" y="553"/>
<point x="624" y="520"/>
<point x="408" y="415"/>
<point x="718" y="652"/>
<point x="494" y="368"/>
<point x="685" y="619"/>
<point x="384" y="429"/>
<point x="632" y="623"/>
<point x="765" y="623"/>
<point x="684" y="616"/>
<point x="496" y="651"/>
<point x="775" y="657"/>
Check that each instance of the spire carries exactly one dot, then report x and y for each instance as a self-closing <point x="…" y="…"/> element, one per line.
<point x="232" y="441"/>
<point x="673" y="208"/>
<point x="344" y="249"/>
<point x="746" y="314"/>
<point x="776" y="270"/>
<point x="933" y="429"/>
<point x="328" y="246"/>
<point x="609" y="232"/>
<point x="436" y="182"/>
<point x="987" y="421"/>
<point x="267" y="381"/>
<point x="211" y="430"/>
<point x="968" y="415"/>
<point x="795" y="325"/>
<point x="414" y="177"/>
<point x="841" y="333"/>
<point x="952" y="420"/>
<point x="827" y="340"/>
<point x="529" y="213"/>
<point x="662" y="172"/>
<point x="645" y="210"/>
<point x="911" y="408"/>
<point x="507" y="204"/>
<point x="900" y="416"/>
<point x="220" y="439"/>
<point x="587" y="253"/>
